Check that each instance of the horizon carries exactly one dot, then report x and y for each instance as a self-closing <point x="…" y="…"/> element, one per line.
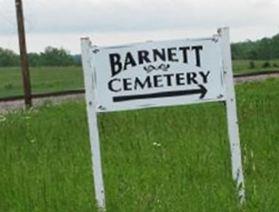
<point x="34" y="44"/>
<point x="115" y="22"/>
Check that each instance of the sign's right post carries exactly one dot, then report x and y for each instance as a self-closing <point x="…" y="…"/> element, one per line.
<point x="232" y="120"/>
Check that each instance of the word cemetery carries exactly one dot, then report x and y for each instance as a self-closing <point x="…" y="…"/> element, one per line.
<point x="158" y="81"/>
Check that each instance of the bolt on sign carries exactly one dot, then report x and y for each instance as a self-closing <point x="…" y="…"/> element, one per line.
<point x="157" y="74"/>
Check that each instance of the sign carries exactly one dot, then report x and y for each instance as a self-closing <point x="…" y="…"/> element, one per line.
<point x="155" y="74"/>
<point x="158" y="74"/>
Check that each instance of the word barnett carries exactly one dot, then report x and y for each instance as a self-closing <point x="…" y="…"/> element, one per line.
<point x="180" y="54"/>
<point x="156" y="74"/>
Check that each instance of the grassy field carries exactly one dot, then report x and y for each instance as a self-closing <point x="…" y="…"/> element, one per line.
<point x="244" y="66"/>
<point x="169" y="159"/>
<point x="49" y="79"/>
<point x="44" y="79"/>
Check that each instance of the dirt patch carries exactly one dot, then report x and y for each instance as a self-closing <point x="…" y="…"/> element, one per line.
<point x="243" y="79"/>
<point x="19" y="104"/>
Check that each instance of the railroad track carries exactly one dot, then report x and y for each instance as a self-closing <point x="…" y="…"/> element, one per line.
<point x="14" y="102"/>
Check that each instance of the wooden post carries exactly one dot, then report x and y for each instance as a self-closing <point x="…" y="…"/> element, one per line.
<point x="90" y="94"/>
<point x="233" y="128"/>
<point x="23" y="54"/>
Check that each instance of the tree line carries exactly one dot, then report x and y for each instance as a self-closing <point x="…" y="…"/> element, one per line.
<point x="50" y="57"/>
<point x="263" y="49"/>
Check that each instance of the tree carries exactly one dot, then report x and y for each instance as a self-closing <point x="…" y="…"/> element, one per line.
<point x="264" y="49"/>
<point x="34" y="59"/>
<point x="8" y="58"/>
<point x="56" y="57"/>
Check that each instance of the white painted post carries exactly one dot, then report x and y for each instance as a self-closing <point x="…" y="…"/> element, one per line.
<point x="90" y="94"/>
<point x="233" y="129"/>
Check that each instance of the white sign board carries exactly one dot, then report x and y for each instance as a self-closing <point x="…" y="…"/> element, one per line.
<point x="154" y="74"/>
<point x="158" y="74"/>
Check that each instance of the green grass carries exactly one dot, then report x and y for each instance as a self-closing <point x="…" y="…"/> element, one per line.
<point x="45" y="157"/>
<point x="49" y="79"/>
<point x="43" y="79"/>
<point x="243" y="66"/>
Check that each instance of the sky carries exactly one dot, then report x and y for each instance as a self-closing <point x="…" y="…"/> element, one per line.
<point x="61" y="23"/>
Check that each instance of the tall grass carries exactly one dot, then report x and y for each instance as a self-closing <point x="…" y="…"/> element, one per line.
<point x="165" y="159"/>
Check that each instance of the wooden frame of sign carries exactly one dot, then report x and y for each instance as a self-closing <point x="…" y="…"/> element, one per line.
<point x="156" y="74"/>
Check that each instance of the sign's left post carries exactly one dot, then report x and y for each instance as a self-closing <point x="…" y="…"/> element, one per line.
<point x="90" y="93"/>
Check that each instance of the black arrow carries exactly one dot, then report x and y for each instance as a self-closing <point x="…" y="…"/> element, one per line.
<point x="202" y="91"/>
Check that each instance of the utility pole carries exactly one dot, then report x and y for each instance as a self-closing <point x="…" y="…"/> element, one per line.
<point x="23" y="54"/>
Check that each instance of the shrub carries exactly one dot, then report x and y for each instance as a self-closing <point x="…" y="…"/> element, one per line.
<point x="266" y="65"/>
<point x="252" y="65"/>
<point x="8" y="86"/>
